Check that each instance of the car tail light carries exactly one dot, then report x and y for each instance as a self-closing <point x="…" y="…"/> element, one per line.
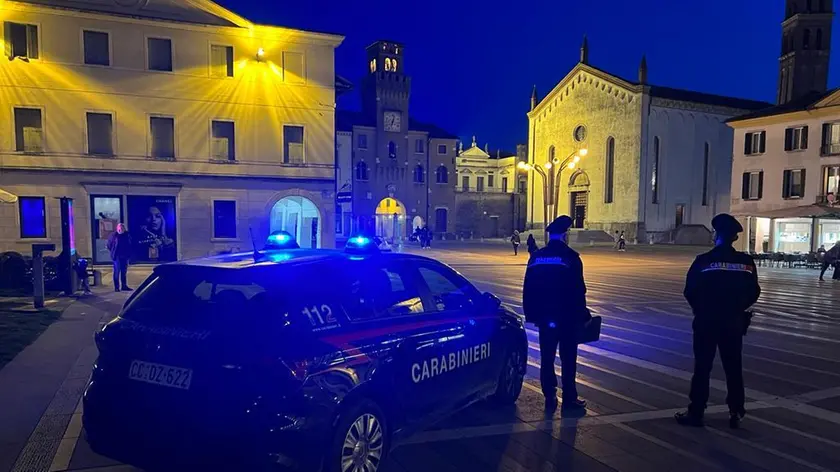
<point x="298" y="369"/>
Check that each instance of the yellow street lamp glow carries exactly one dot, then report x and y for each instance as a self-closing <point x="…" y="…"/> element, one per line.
<point x="572" y="165"/>
<point x="524" y="166"/>
<point x="260" y="53"/>
<point x="548" y="165"/>
<point x="583" y="152"/>
<point x="577" y="159"/>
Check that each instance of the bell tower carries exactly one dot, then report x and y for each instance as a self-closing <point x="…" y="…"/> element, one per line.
<point x="806" y="40"/>
<point x="386" y="89"/>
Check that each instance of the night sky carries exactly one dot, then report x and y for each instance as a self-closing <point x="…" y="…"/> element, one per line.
<point x="473" y="65"/>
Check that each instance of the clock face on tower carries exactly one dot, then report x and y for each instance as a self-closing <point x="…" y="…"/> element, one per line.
<point x="392" y="121"/>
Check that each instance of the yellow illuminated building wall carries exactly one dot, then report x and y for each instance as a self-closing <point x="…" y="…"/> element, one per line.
<point x="272" y="83"/>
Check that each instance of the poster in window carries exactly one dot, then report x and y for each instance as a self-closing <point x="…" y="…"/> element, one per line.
<point x="153" y="228"/>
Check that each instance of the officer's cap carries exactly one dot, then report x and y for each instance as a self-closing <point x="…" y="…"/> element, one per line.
<point x="560" y="225"/>
<point x="725" y="223"/>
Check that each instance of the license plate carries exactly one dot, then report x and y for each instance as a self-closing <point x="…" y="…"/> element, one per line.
<point x="159" y="374"/>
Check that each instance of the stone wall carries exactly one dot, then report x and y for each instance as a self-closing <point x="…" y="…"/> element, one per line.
<point x="487" y="215"/>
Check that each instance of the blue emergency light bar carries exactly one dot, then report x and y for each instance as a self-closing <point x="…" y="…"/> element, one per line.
<point x="361" y="245"/>
<point x="281" y="240"/>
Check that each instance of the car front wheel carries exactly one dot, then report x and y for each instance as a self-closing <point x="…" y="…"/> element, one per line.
<point x="361" y="440"/>
<point x="511" y="378"/>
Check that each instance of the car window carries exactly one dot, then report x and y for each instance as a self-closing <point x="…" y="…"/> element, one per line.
<point x="381" y="292"/>
<point x="448" y="290"/>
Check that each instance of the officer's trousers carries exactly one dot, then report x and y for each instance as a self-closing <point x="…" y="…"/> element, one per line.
<point x="707" y="340"/>
<point x="553" y="340"/>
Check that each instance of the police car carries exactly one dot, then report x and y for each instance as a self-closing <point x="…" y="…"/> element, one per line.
<point x="314" y="359"/>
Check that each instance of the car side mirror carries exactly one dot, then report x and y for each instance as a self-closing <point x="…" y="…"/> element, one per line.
<point x="490" y="302"/>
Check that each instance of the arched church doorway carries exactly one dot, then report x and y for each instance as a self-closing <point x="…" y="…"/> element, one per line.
<point x="299" y="217"/>
<point x="578" y="198"/>
<point x="390" y="219"/>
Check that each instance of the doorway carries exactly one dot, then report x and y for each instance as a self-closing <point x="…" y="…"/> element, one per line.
<point x="440" y="220"/>
<point x="680" y="215"/>
<point x="390" y="219"/>
<point x="579" y="203"/>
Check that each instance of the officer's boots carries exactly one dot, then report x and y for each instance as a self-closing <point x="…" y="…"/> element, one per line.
<point x="688" y="418"/>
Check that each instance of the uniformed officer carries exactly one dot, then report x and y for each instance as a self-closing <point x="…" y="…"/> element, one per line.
<point x="720" y="286"/>
<point x="554" y="299"/>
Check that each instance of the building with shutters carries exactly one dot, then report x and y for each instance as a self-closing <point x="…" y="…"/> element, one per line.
<point x="786" y="159"/>
<point x="657" y="158"/>
<point x="184" y="120"/>
<point x="397" y="173"/>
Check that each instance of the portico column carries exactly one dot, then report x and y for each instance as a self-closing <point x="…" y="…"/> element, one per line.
<point x="814" y="234"/>
<point x="747" y="235"/>
<point x="772" y="241"/>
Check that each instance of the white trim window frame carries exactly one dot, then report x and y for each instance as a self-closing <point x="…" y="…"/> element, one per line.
<point x="110" y="47"/>
<point x="113" y="132"/>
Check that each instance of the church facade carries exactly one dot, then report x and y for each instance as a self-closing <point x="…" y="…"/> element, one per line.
<point x="395" y="174"/>
<point x="622" y="155"/>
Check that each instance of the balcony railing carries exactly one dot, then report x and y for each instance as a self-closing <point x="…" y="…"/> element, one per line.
<point x="830" y="149"/>
<point x="484" y="189"/>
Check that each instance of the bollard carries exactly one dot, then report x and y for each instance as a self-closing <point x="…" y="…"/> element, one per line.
<point x="38" y="272"/>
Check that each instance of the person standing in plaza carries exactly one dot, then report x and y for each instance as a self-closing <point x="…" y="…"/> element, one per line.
<point x="532" y="244"/>
<point x="622" y="243"/>
<point x="119" y="244"/>
<point x="721" y="286"/>
<point x="554" y="299"/>
<point x="516" y="241"/>
<point x="830" y="258"/>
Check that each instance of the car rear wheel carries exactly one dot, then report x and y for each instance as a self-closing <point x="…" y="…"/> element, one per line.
<point x="511" y="378"/>
<point x="361" y="441"/>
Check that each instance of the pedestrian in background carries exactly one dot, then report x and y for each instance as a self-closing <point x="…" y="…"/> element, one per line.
<point x="555" y="273"/>
<point x="532" y="244"/>
<point x="830" y="258"/>
<point x="721" y="286"/>
<point x="516" y="241"/>
<point x="80" y="265"/>
<point x="622" y="243"/>
<point x="119" y="244"/>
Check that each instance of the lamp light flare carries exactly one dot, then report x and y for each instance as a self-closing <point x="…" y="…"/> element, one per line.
<point x="583" y="152"/>
<point x="260" y="53"/>
<point x="576" y="159"/>
<point x="548" y="165"/>
<point x="572" y="165"/>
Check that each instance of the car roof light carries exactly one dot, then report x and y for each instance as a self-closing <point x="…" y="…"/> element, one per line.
<point x="361" y="245"/>
<point x="281" y="240"/>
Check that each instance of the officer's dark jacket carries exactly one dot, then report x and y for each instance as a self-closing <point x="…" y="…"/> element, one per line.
<point x="554" y="289"/>
<point x="721" y="284"/>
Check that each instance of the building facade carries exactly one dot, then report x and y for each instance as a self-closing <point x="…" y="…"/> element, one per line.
<point x="621" y="155"/>
<point x="398" y="173"/>
<point x="490" y="192"/>
<point x="786" y="166"/>
<point x="187" y="122"/>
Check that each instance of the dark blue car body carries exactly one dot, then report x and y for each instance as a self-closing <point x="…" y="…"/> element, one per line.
<point x="230" y="360"/>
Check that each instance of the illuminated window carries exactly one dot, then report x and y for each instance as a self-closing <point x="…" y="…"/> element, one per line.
<point x="163" y="137"/>
<point x="29" y="130"/>
<point x="221" y="61"/>
<point x="442" y="174"/>
<point x="100" y="134"/>
<point x="373" y="65"/>
<point x="387" y="64"/>
<point x="293" y="144"/>
<point x="362" y="141"/>
<point x="97" y="48"/>
<point x="223" y="141"/>
<point x="393" y="65"/>
<point x="33" y="217"/>
<point x="224" y="219"/>
<point x="21" y="40"/>
<point x="293" y="70"/>
<point x="160" y="54"/>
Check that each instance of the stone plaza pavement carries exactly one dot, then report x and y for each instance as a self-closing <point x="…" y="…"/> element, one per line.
<point x="634" y="379"/>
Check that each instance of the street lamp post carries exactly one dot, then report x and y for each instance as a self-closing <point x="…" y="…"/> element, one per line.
<point x="553" y="189"/>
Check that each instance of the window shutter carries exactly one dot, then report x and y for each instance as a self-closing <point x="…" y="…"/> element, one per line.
<point x="7" y="38"/>
<point x="762" y="141"/>
<point x="786" y="184"/>
<point x="747" y="142"/>
<point x="802" y="183"/>
<point x="804" y="137"/>
<point x="745" y="186"/>
<point x="32" y="41"/>
<point x="229" y="57"/>
<point x="788" y="139"/>
<point x="826" y="137"/>
<point x="760" y="184"/>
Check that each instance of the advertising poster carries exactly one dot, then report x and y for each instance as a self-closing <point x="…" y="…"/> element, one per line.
<point x="151" y="223"/>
